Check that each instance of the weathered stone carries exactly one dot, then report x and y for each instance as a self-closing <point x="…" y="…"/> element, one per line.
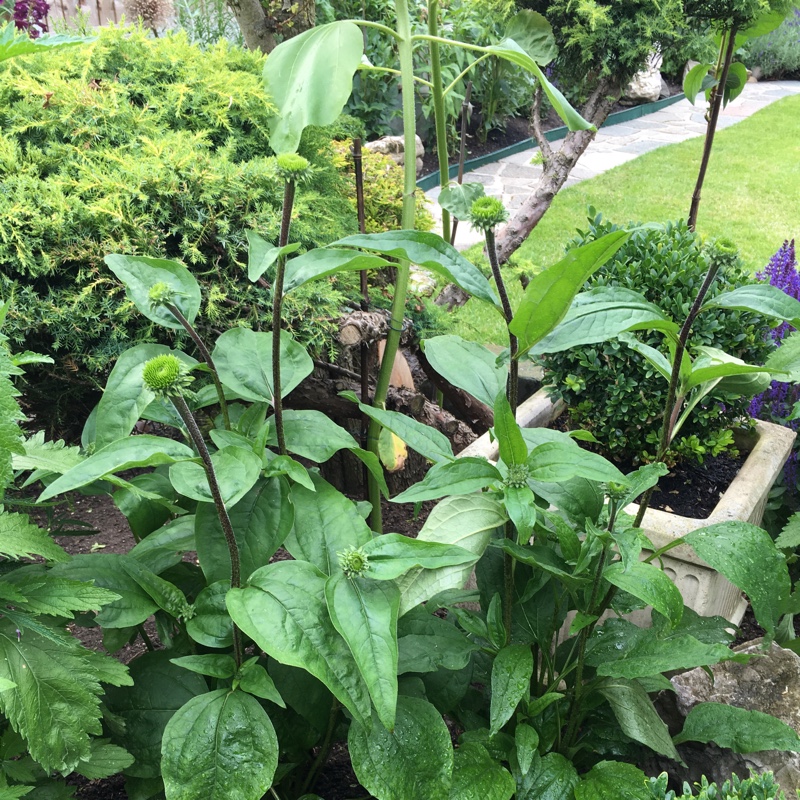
<point x="645" y="86"/>
<point x="394" y="147"/>
<point x="665" y="90"/>
<point x="769" y="683"/>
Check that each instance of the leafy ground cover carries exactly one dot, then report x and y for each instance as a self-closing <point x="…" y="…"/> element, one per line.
<point x="751" y="195"/>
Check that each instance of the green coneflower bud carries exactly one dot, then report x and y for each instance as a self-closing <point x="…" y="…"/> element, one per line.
<point x="292" y="167"/>
<point x="353" y="562"/>
<point x="165" y="375"/>
<point x="486" y="213"/>
<point x="518" y="475"/>
<point x="616" y="491"/>
<point x="160" y="294"/>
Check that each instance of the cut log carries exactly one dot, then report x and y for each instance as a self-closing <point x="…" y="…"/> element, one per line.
<point x="366" y="327"/>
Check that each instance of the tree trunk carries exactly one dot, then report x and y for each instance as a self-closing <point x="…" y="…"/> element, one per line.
<point x="265" y="23"/>
<point x="556" y="169"/>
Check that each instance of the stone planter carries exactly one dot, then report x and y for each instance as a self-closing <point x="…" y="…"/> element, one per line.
<point x="704" y="590"/>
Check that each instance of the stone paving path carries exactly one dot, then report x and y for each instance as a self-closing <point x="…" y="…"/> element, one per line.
<point x="510" y="178"/>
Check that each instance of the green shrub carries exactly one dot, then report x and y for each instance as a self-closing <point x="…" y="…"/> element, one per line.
<point x="612" y="391"/>
<point x="777" y="54"/>
<point x="689" y="44"/>
<point x="145" y="147"/>
<point x="756" y="787"/>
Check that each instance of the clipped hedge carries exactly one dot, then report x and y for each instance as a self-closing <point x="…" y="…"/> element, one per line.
<point x="149" y="147"/>
<point x="613" y="392"/>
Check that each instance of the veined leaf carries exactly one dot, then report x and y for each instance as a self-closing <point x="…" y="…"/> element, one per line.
<point x="106" y="760"/>
<point x="477" y="776"/>
<point x="324" y="261"/>
<point x="261" y="255"/>
<point x="16" y="43"/>
<point x="237" y="469"/>
<point x="392" y="554"/>
<point x="20" y="538"/>
<point x="554" y="462"/>
<point x="450" y="478"/>
<point x="649" y="584"/>
<point x="457" y="198"/>
<point x="59" y="597"/>
<point x="761" y="298"/>
<point x="611" y="780"/>
<point x="513" y="450"/>
<point x="511" y="677"/>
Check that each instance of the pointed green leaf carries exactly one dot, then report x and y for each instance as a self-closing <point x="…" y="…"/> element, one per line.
<point x="457" y="198"/>
<point x="365" y="614"/>
<point x="309" y="78"/>
<point x="261" y="255"/>
<point x="244" y="362"/>
<point x="740" y="730"/>
<point x="553" y="462"/>
<point x="325" y="523"/>
<point x="534" y="34"/>
<point x="477" y="776"/>
<point x="431" y="251"/>
<point x="513" y="449"/>
<point x="693" y="81"/>
<point x="649" y="584"/>
<point x="413" y="761"/>
<point x="526" y="740"/>
<point x="255" y="680"/>
<point x="746" y="555"/>
<point x="218" y="746"/>
<point x="283" y="610"/>
<point x="165" y="547"/>
<point x="427" y="643"/>
<point x="236" y="469"/>
<point x="511" y="678"/>
<point x="106" y="760"/>
<point x="14" y="42"/>
<point x="211" y="624"/>
<point x="612" y="780"/>
<point x="761" y="298"/>
<point x="325" y="261"/>
<point x="139" y="274"/>
<point x="392" y="554"/>
<point x="20" y="538"/>
<point x="462" y="476"/>
<point x="485" y="378"/>
<point x="136" y="451"/>
<point x="551" y="777"/>
<point x="215" y="665"/>
<point x="550" y="293"/>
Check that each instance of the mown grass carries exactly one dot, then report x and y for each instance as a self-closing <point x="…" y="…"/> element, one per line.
<point x="751" y="196"/>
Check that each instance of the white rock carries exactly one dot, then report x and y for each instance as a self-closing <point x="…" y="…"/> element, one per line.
<point x="394" y="147"/>
<point x="646" y="85"/>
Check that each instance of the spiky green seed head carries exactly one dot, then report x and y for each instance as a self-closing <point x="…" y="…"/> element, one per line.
<point x="293" y="167"/>
<point x="160" y="294"/>
<point x="165" y="375"/>
<point x="616" y="491"/>
<point x="353" y="562"/>
<point x="486" y="213"/>
<point x="518" y="475"/>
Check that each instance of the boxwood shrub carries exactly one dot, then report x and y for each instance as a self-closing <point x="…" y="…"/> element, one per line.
<point x="612" y="391"/>
<point x="151" y="147"/>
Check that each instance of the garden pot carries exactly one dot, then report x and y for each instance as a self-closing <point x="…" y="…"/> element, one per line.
<point x="704" y="590"/>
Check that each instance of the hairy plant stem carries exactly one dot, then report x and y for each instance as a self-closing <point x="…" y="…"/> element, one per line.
<point x="404" y="46"/>
<point x="277" y="303"/>
<point x="717" y="95"/>
<point x="148" y="642"/>
<point x="222" y="512"/>
<point x="437" y="93"/>
<point x="462" y="150"/>
<point x="324" y="750"/>
<point x="175" y="311"/>
<point x="671" y="408"/>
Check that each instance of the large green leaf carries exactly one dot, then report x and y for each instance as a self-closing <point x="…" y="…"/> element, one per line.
<point x="144" y="513"/>
<point x="462" y="476"/>
<point x="106" y="760"/>
<point x="612" y="780"/>
<point x="107" y="571"/>
<point x="236" y="469"/>
<point x="211" y="624"/>
<point x="466" y="521"/>
<point x="413" y="761"/>
<point x="740" y="730"/>
<point x="309" y="78"/>
<point x="261" y="255"/>
<point x="551" y="777"/>
<point x="165" y="547"/>
<point x="511" y="51"/>
<point x="392" y="554"/>
<point x="477" y="776"/>
<point x="126" y="397"/>
<point x="649" y="584"/>
<point x="20" y="538"/>
<point x="761" y="298"/>
<point x="427" y="643"/>
<point x="431" y="251"/>
<point x="261" y="521"/>
<point x="511" y="444"/>
<point x="324" y="261"/>
<point x="244" y="362"/>
<point x="785" y="359"/>
<point x="636" y="716"/>
<point x="511" y="679"/>
<point x="427" y="441"/>
<point x="325" y="524"/>
<point x="218" y="746"/>
<point x="550" y="293"/>
<point x="746" y="555"/>
<point x="283" y="610"/>
<point x="457" y="198"/>
<point x="600" y="314"/>
<point x="484" y="379"/>
<point x="140" y="274"/>
<point x="14" y="42"/>
<point x="554" y="462"/>
<point x="136" y="451"/>
<point x="42" y="593"/>
<point x="159" y="690"/>
<point x="694" y="79"/>
<point x="55" y="701"/>
<point x="365" y="614"/>
<point x="534" y="34"/>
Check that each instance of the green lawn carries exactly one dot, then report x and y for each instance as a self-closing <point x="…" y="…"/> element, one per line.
<point x="751" y="195"/>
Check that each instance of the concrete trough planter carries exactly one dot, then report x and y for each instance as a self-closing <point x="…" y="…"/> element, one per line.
<point x="704" y="590"/>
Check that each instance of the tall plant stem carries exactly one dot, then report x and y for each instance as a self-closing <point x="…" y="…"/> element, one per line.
<point x="222" y="512"/>
<point x="277" y="303"/>
<point x="438" y="110"/>
<point x="462" y="151"/>
<point x="206" y="356"/>
<point x="407" y="221"/>
<point x="716" y="104"/>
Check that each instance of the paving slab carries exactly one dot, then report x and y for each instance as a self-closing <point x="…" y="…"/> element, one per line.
<point x="510" y="178"/>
